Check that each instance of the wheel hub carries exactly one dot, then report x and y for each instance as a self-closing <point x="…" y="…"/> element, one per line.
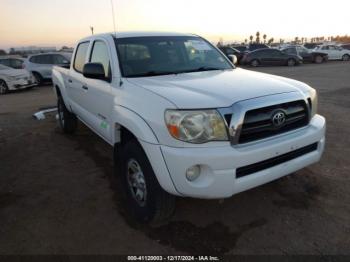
<point x="137" y="182"/>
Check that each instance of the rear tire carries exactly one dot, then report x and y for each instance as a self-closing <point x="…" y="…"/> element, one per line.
<point x="291" y="62"/>
<point x="254" y="63"/>
<point x="68" y="121"/>
<point x="144" y="199"/>
<point x="3" y="87"/>
<point x="346" y="58"/>
<point x="39" y="79"/>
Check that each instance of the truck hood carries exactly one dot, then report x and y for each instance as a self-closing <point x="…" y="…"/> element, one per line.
<point x="215" y="89"/>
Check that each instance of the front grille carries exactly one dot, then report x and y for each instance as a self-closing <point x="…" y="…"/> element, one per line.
<point x="251" y="169"/>
<point x="258" y="123"/>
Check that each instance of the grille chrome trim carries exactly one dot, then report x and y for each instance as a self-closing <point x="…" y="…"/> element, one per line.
<point x="239" y="110"/>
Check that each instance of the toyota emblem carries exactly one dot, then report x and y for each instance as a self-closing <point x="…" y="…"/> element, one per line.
<point x="279" y="119"/>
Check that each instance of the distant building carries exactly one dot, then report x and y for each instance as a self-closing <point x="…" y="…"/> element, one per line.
<point x="30" y="50"/>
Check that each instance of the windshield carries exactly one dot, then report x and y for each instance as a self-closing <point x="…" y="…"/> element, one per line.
<point x="152" y="56"/>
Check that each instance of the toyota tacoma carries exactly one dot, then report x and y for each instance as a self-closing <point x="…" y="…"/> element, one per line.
<point x="183" y="120"/>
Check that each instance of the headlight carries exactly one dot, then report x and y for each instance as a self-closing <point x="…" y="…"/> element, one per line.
<point x="196" y="126"/>
<point x="12" y="78"/>
<point x="314" y="102"/>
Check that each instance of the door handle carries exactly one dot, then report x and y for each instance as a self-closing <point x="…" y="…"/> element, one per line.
<point x="85" y="87"/>
<point x="70" y="81"/>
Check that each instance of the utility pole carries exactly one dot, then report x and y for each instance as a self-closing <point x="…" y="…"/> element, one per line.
<point x="92" y="29"/>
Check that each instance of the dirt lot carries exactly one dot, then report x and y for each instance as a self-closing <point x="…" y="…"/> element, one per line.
<point x="56" y="195"/>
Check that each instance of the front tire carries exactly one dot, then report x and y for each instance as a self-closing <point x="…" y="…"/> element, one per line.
<point x="145" y="200"/>
<point x="254" y="63"/>
<point x="291" y="62"/>
<point x="39" y="79"/>
<point x="68" y="121"/>
<point x="346" y="58"/>
<point x="318" y="59"/>
<point x="3" y="87"/>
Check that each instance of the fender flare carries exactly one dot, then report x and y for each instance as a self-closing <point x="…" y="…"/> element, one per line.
<point x="132" y="121"/>
<point x="58" y="83"/>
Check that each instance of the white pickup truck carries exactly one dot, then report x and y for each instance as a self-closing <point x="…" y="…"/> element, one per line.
<point x="183" y="120"/>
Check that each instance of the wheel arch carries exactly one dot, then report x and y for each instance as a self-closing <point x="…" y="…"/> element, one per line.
<point x="133" y="126"/>
<point x="129" y="124"/>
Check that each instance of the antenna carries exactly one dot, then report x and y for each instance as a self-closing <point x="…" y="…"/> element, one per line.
<point x="113" y="15"/>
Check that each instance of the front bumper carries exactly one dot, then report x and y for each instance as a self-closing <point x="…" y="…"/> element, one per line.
<point x="219" y="164"/>
<point x="21" y="84"/>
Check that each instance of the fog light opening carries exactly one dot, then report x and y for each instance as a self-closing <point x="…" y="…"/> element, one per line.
<point x="193" y="173"/>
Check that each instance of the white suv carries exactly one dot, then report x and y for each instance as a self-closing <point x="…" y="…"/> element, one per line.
<point x="41" y="65"/>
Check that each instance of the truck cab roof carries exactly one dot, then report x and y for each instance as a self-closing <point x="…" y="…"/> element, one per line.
<point x="136" y="34"/>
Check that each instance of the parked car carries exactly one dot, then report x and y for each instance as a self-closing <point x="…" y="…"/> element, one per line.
<point x="183" y="122"/>
<point x="307" y="55"/>
<point x="41" y="65"/>
<point x="272" y="57"/>
<point x="228" y="51"/>
<point x="14" y="79"/>
<point x="311" y="45"/>
<point x="345" y="46"/>
<point x="334" y="52"/>
<point x="15" y="63"/>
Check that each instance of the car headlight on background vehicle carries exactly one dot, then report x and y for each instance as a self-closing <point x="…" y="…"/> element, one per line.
<point x="314" y="102"/>
<point x="12" y="78"/>
<point x="196" y="126"/>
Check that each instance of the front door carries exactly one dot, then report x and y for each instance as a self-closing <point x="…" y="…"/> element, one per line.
<point x="99" y="95"/>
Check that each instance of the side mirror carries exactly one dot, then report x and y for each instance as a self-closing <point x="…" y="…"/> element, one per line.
<point x="234" y="59"/>
<point x="94" y="71"/>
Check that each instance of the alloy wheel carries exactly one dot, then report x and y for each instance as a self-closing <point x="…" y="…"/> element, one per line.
<point x="137" y="182"/>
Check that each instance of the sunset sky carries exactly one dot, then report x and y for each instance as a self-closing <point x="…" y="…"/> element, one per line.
<point x="63" y="22"/>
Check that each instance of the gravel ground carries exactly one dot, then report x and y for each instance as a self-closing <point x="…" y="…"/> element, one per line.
<point x="56" y="195"/>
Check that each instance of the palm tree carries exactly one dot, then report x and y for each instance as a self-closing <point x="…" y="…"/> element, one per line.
<point x="251" y="39"/>
<point x="264" y="36"/>
<point x="258" y="37"/>
<point x="296" y="39"/>
<point x="245" y="41"/>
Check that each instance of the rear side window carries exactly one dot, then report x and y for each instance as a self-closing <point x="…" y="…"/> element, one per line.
<point x="100" y="55"/>
<point x="60" y="60"/>
<point x="16" y="63"/>
<point x="5" y="62"/>
<point x="80" y="57"/>
<point x="42" y="59"/>
<point x="290" y="51"/>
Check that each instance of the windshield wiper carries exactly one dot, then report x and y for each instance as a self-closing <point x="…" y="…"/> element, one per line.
<point x="152" y="73"/>
<point x="200" y="69"/>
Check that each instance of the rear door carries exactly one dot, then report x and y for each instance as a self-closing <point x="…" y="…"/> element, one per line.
<point x="273" y="57"/>
<point x="99" y="97"/>
<point x="44" y="65"/>
<point x="75" y="82"/>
